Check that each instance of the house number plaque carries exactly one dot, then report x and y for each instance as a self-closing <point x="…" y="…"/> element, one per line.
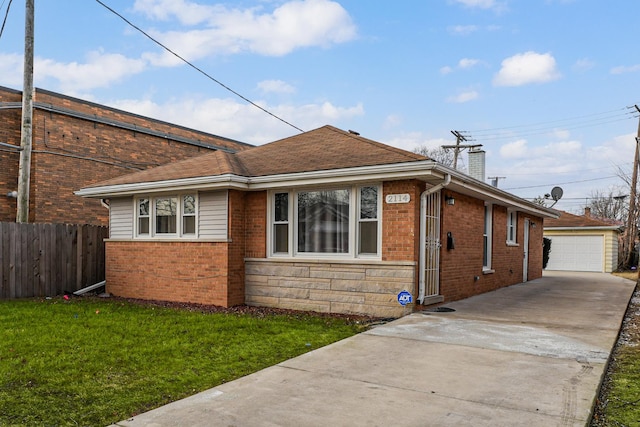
<point x="397" y="198"/>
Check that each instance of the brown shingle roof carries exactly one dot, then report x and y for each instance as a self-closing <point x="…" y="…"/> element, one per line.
<point x="324" y="148"/>
<point x="567" y="219"/>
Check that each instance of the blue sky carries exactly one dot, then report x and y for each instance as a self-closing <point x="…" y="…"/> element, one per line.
<point x="543" y="85"/>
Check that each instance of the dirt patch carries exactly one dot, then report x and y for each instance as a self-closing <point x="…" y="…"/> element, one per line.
<point x="629" y="337"/>
<point x="254" y="311"/>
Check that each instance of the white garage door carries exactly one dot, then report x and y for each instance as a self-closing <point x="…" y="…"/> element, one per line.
<point x="576" y="253"/>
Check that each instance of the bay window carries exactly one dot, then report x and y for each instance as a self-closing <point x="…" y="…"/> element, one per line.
<point x="339" y="222"/>
<point x="166" y="216"/>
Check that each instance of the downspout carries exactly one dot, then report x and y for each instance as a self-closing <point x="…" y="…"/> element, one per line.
<point x="423" y="232"/>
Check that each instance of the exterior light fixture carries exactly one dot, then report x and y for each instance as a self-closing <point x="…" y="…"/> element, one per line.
<point x="450" y="200"/>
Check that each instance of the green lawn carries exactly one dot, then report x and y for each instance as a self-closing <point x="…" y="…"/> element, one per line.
<point x="90" y="361"/>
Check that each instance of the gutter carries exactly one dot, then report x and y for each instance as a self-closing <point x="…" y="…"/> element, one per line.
<point x="423" y="232"/>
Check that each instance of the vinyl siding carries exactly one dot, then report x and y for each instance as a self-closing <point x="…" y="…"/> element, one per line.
<point x="121" y="218"/>
<point x="212" y="217"/>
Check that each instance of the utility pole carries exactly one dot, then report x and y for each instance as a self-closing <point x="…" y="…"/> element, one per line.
<point x="630" y="238"/>
<point x="456" y="149"/>
<point x="495" y="179"/>
<point x="24" y="171"/>
<point x="459" y="147"/>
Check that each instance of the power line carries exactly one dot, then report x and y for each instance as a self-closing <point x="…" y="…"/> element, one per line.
<point x="196" y="68"/>
<point x="540" y="128"/>
<point x="6" y="14"/>
<point x="564" y="183"/>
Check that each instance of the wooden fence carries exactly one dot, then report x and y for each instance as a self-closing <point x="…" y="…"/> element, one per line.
<point x="38" y="260"/>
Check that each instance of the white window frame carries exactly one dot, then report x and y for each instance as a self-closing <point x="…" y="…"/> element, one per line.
<point x="512" y="227"/>
<point x="153" y="233"/>
<point x="487" y="237"/>
<point x="354" y="215"/>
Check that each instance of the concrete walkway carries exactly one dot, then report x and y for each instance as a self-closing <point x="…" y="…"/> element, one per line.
<point x="528" y="355"/>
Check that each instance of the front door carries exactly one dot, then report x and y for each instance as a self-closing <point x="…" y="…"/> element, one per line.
<point x="430" y="271"/>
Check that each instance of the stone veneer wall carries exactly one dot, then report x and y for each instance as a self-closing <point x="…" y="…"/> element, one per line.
<point x="348" y="287"/>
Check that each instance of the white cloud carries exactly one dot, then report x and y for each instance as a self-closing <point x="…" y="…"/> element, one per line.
<point x="468" y="63"/>
<point x="99" y="70"/>
<point x="243" y="122"/>
<point x="463" y="97"/>
<point x="392" y="121"/>
<point x="514" y="150"/>
<point x="497" y="6"/>
<point x="583" y="64"/>
<point x="462" y="30"/>
<point x="617" y="150"/>
<point x="293" y="25"/>
<point x="520" y="149"/>
<point x="186" y="12"/>
<point x="275" y="86"/>
<point x="527" y="68"/>
<point x="11" y="65"/>
<point x="463" y="64"/>
<point x="411" y="141"/>
<point x="625" y="69"/>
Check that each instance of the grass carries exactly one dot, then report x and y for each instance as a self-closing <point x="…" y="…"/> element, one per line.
<point x="90" y="361"/>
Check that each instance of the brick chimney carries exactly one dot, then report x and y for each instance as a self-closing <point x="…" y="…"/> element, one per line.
<point x="476" y="164"/>
<point x="587" y="212"/>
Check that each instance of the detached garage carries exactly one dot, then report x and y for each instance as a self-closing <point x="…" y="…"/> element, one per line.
<point x="582" y="243"/>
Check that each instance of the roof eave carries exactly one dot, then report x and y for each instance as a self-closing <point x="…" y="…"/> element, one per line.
<point x="425" y="170"/>
<point x="199" y="183"/>
<point x="587" y="228"/>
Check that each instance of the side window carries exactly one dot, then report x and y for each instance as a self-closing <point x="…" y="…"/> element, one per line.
<point x="368" y="221"/>
<point x="143" y="217"/>
<point x="281" y="223"/>
<point x="488" y="219"/>
<point x="512" y="226"/>
<point x="189" y="214"/>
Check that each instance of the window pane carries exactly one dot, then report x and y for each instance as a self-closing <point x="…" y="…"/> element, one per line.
<point x="143" y="225"/>
<point x="281" y="238"/>
<point x="143" y="207"/>
<point x="189" y="204"/>
<point x="281" y="207"/>
<point x="368" y="237"/>
<point x="166" y="215"/>
<point x="323" y="221"/>
<point x="189" y="225"/>
<point x="368" y="202"/>
<point x="143" y="216"/>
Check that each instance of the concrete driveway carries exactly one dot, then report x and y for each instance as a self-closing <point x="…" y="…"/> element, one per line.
<point x="528" y="355"/>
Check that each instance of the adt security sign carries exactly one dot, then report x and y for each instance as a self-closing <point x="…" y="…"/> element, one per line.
<point x="404" y="298"/>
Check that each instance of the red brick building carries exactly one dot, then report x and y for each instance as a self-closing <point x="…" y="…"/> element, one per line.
<point x="326" y="221"/>
<point x="77" y="143"/>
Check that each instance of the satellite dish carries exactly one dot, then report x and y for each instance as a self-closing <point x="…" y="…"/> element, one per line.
<point x="556" y="193"/>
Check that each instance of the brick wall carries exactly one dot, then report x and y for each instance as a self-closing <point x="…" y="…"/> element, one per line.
<point x="9" y="159"/>
<point x="461" y="270"/>
<point x="256" y="224"/>
<point x="168" y="271"/>
<point x="71" y="153"/>
<point x="401" y="222"/>
<point x="237" y="243"/>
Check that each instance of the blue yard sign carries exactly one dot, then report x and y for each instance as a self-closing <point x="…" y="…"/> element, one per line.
<point x="404" y="298"/>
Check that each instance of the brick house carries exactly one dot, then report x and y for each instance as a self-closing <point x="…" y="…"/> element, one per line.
<point x="325" y="220"/>
<point x="77" y="143"/>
